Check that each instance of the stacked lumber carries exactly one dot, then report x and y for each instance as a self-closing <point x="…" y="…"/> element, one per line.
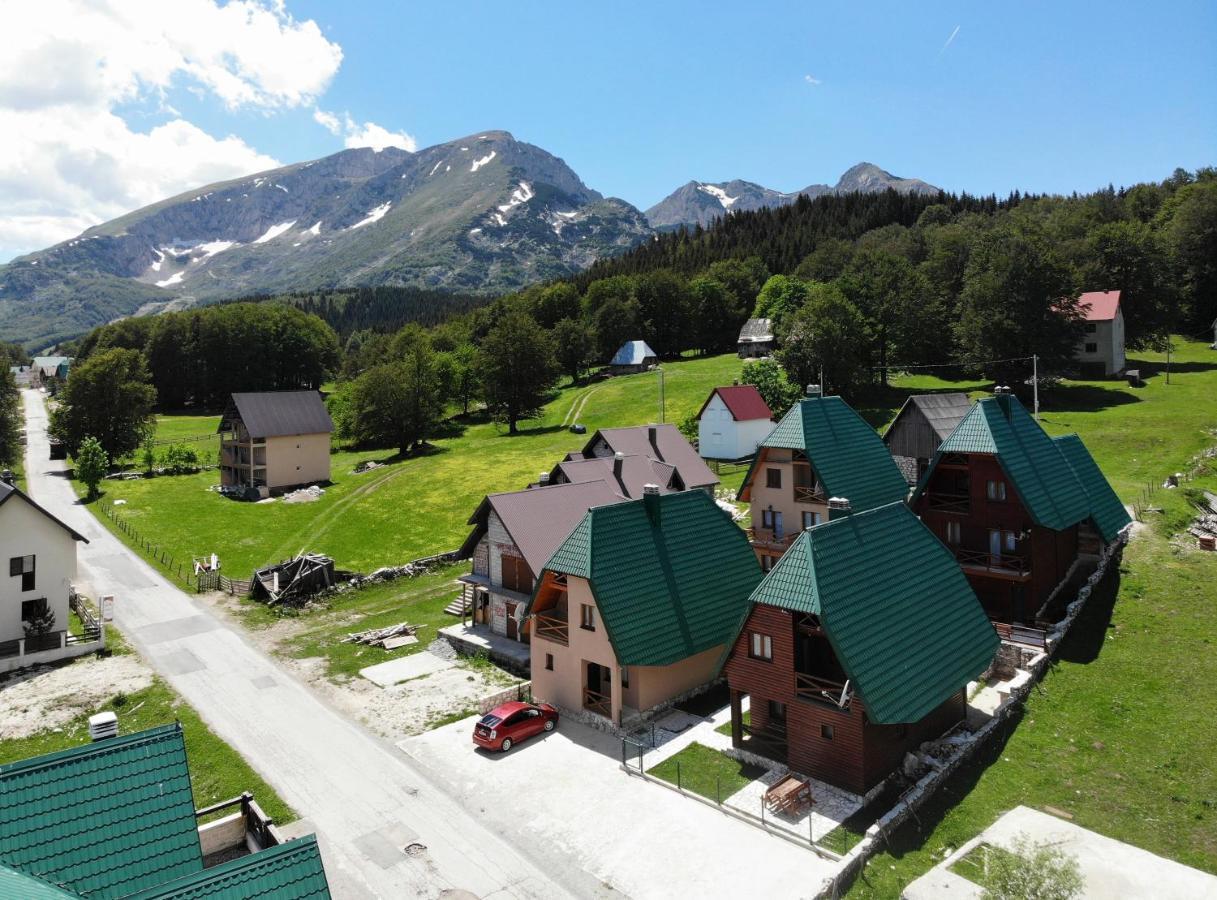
<point x="389" y="638"/>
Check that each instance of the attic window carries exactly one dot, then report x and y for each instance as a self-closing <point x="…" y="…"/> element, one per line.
<point x="996" y="490"/>
<point x="773" y="478"/>
<point x="23" y="566"/>
<point x="761" y="646"/>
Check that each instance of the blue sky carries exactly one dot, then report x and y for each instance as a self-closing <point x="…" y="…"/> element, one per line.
<point x="637" y="97"/>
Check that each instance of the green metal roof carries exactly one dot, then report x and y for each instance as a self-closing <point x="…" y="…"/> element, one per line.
<point x="104" y="819"/>
<point x="848" y="455"/>
<point x="1106" y="510"/>
<point x="666" y="589"/>
<point x="291" y="871"/>
<point x="1034" y="463"/>
<point x="16" y="885"/>
<point x="898" y="611"/>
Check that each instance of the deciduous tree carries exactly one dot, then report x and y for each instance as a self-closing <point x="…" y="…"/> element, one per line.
<point x="109" y="397"/>
<point x="517" y="368"/>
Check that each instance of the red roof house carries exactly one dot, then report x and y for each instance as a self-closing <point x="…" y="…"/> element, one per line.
<point x="732" y="422"/>
<point x="1101" y="351"/>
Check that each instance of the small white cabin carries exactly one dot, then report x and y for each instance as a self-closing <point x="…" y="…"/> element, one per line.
<point x="733" y="422"/>
<point x="1101" y="352"/>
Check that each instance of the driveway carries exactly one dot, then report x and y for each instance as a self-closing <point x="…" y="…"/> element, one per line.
<point x="363" y="799"/>
<point x="565" y="793"/>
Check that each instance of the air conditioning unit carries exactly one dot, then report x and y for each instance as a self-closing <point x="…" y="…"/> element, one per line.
<point x="103" y="725"/>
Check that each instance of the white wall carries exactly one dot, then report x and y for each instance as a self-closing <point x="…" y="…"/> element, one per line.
<point x="25" y="531"/>
<point x="1108" y="338"/>
<point x="719" y="436"/>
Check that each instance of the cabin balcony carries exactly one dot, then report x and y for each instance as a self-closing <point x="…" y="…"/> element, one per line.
<point x="247" y="829"/>
<point x="552" y="625"/>
<point x="809" y="494"/>
<point x="1002" y="565"/>
<point x="818" y="689"/>
<point x="948" y="502"/>
<point x="767" y="537"/>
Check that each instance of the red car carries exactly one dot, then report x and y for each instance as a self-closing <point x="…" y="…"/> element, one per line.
<point x="509" y="723"/>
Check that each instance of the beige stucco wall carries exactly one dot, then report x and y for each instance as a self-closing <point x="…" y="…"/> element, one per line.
<point x="297" y="459"/>
<point x="652" y="685"/>
<point x="780" y="499"/>
<point x="25" y="531"/>
<point x="564" y="685"/>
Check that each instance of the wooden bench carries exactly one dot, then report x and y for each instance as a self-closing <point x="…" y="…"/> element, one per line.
<point x="791" y="795"/>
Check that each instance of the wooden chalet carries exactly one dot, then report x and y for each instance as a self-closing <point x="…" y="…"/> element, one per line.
<point x="856" y="648"/>
<point x="923" y="423"/>
<point x="821" y="449"/>
<point x="756" y="339"/>
<point x="1015" y="506"/>
<point x="636" y="607"/>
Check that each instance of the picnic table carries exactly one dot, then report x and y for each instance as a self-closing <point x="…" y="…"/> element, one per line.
<point x="790" y="794"/>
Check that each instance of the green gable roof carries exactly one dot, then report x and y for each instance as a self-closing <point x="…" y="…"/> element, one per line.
<point x="1034" y="463"/>
<point x="847" y="454"/>
<point x="291" y="871"/>
<point x="16" y="885"/>
<point x="666" y="590"/>
<point x="1106" y="510"/>
<point x="104" y="819"/>
<point x="898" y="611"/>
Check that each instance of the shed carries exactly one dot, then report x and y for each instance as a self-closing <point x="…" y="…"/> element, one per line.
<point x="756" y="338"/>
<point x="275" y="439"/>
<point x="923" y="423"/>
<point x="633" y="356"/>
<point x="733" y="422"/>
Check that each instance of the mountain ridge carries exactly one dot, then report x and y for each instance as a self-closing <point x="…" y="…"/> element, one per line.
<point x="701" y="202"/>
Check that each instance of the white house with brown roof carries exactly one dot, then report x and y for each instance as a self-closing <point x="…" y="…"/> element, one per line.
<point x="733" y="422"/>
<point x="514" y="534"/>
<point x="275" y="439"/>
<point x="39" y="551"/>
<point x="1101" y="351"/>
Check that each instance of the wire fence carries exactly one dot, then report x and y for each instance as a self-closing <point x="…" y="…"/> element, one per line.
<point x="178" y="568"/>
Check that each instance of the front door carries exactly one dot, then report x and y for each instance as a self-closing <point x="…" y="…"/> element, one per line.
<point x="512" y="625"/>
<point x="777" y="525"/>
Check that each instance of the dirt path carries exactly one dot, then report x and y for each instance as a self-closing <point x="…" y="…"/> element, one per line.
<point x="578" y="404"/>
<point x="48" y="697"/>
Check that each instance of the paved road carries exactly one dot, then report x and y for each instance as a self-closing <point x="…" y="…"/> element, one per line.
<point x="364" y="800"/>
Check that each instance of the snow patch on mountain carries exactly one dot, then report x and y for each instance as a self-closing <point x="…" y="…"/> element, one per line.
<point x="274" y="231"/>
<point x="175" y="278"/>
<point x="478" y="163"/>
<point x="374" y="216"/>
<point x="432" y="172"/>
<point x="211" y="248"/>
<point x="717" y="193"/>
<point x="316" y="229"/>
<point x="520" y="195"/>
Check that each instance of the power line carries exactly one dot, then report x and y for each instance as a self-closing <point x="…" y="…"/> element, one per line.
<point x="971" y="363"/>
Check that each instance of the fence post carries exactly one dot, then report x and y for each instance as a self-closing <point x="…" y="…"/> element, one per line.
<point x="718" y="796"/>
<point x="640" y="769"/>
<point x="678" y="786"/>
<point x="623" y="762"/>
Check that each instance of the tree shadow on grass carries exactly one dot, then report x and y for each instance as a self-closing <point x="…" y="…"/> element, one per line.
<point x="1085" y="398"/>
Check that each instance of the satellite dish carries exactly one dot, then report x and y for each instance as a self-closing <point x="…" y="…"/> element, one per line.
<point x="843" y="700"/>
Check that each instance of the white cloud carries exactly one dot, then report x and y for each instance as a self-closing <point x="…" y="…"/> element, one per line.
<point x="812" y="80"/>
<point x="369" y="134"/>
<point x="68" y="160"/>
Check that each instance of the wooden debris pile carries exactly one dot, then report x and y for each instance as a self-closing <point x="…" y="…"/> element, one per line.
<point x="293" y="581"/>
<point x="1204" y="526"/>
<point x="389" y="638"/>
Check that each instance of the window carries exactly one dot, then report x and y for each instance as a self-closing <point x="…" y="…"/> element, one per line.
<point x="826" y="732"/>
<point x="1091" y="328"/>
<point x="1092" y="347"/>
<point x="1002" y="542"/>
<point x="23" y="566"/>
<point x="996" y="490"/>
<point x="810" y="520"/>
<point x="625" y="676"/>
<point x="587" y="617"/>
<point x="773" y="478"/>
<point x="549" y="662"/>
<point x="777" y="711"/>
<point x="762" y="647"/>
<point x="952" y="532"/>
<point x="32" y="608"/>
<point x="1010" y="540"/>
<point x="516" y="574"/>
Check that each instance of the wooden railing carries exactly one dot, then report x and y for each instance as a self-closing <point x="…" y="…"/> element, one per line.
<point x="552" y="628"/>
<point x="598" y="703"/>
<point x="812" y="687"/>
<point x="944" y="502"/>
<point x="1005" y="564"/>
<point x="766" y="536"/>
<point x="90" y="625"/>
<point x="809" y="494"/>
<point x="257" y="823"/>
<point x="1022" y="634"/>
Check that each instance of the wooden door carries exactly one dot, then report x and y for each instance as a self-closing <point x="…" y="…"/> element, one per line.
<point x="512" y="625"/>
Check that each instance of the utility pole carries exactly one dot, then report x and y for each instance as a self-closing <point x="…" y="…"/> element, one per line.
<point x="1035" y="384"/>
<point x="1169" y="344"/>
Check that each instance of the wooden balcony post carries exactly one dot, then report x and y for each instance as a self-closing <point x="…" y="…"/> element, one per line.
<point x="737" y="719"/>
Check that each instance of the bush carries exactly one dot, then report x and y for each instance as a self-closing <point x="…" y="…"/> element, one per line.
<point x="91" y="464"/>
<point x="1032" y="871"/>
<point x="179" y="458"/>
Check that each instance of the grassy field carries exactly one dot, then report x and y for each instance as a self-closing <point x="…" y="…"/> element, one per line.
<point x="412" y="507"/>
<point x="217" y="772"/>
<point x="706" y="771"/>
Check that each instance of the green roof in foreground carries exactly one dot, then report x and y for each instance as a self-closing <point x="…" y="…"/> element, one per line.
<point x="847" y="454"/>
<point x="1106" y="510"/>
<point x="898" y="611"/>
<point x="16" y="885"/>
<point x="1034" y="462"/>
<point x="291" y="871"/>
<point x="103" y="819"/>
<point x="667" y="588"/>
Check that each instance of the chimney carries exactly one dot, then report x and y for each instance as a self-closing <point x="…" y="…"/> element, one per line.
<point x="652" y="436"/>
<point x="650" y="502"/>
<point x="543" y="479"/>
<point x="1002" y="394"/>
<point x="813" y="390"/>
<point x="838" y="508"/>
<point x="617" y="458"/>
<point x="103" y="725"/>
